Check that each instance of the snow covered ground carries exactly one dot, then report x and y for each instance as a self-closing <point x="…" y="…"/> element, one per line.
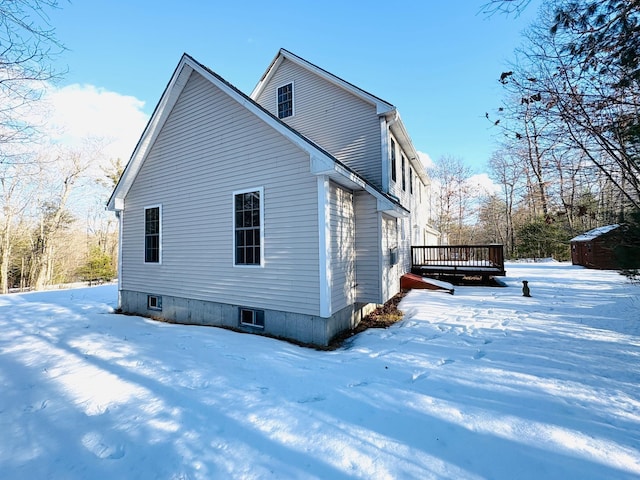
<point x="485" y="384"/>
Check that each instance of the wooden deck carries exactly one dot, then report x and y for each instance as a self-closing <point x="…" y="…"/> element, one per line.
<point x="458" y="260"/>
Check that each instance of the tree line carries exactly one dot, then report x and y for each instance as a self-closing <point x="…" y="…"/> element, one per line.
<point x="569" y="134"/>
<point x="53" y="228"/>
<point x="568" y="161"/>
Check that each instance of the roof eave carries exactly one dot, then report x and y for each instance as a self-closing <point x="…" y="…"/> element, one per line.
<point x="324" y="162"/>
<point x="167" y="101"/>
<point x="399" y="131"/>
<point x="343" y="176"/>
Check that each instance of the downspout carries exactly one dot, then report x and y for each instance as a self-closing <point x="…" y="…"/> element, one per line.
<point x="384" y="146"/>
<point x="120" y="217"/>
<point x="382" y="279"/>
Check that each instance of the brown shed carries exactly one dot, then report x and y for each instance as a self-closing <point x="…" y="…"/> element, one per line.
<point x="595" y="248"/>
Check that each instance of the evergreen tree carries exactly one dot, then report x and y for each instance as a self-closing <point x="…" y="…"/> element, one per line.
<point x="99" y="266"/>
<point x="628" y="252"/>
<point x="541" y="238"/>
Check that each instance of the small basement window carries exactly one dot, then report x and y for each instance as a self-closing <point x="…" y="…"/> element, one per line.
<point x="252" y="317"/>
<point x="154" y="302"/>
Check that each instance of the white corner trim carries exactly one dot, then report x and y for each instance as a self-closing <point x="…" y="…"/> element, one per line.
<point x="384" y="147"/>
<point x="120" y="217"/>
<point x="324" y="239"/>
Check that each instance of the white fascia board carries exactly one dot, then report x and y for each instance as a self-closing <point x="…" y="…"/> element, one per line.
<point x="383" y="203"/>
<point x="327" y="167"/>
<point x="150" y="133"/>
<point x="358" y="183"/>
<point x="388" y="207"/>
<point x="266" y="77"/>
<point x="321" y="165"/>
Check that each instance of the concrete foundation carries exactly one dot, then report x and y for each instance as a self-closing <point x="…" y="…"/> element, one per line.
<point x="303" y="328"/>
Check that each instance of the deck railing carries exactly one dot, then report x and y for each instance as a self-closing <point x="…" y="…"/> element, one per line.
<point x="459" y="258"/>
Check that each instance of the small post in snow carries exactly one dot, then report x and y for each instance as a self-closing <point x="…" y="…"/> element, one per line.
<point x="526" y="292"/>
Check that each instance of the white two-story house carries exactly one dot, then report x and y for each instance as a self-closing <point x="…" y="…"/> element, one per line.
<point x="289" y="212"/>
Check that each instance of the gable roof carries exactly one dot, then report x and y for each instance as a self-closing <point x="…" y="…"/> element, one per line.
<point x="383" y="108"/>
<point x="322" y="162"/>
<point x="595" y="233"/>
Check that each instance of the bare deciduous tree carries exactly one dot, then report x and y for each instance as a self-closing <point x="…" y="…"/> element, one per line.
<point x="453" y="197"/>
<point x="55" y="217"/>
<point x="506" y="7"/>
<point x="27" y="45"/>
<point x="579" y="71"/>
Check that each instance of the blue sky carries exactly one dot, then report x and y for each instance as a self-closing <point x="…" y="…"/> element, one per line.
<point x="437" y="61"/>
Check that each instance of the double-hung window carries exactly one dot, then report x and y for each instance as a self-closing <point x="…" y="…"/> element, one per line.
<point x="404" y="178"/>
<point x="285" y="101"/>
<point x="393" y="161"/>
<point x="411" y="180"/>
<point x="248" y="233"/>
<point x="152" y="234"/>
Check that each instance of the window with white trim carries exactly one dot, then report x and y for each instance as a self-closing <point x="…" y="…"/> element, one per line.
<point x="152" y="234"/>
<point x="285" y="101"/>
<point x="404" y="178"/>
<point x="247" y="226"/>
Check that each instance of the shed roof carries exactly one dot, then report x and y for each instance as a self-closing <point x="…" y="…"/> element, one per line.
<point x="595" y="233"/>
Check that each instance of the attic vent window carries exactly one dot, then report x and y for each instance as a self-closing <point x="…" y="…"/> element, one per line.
<point x="285" y="101"/>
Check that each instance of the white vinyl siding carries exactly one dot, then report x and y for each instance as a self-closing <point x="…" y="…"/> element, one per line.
<point x="416" y="197"/>
<point x="404" y="245"/>
<point x="367" y="239"/>
<point x="390" y="273"/>
<point x="342" y="248"/>
<point x="400" y="187"/>
<point x="341" y="123"/>
<point x="198" y="160"/>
